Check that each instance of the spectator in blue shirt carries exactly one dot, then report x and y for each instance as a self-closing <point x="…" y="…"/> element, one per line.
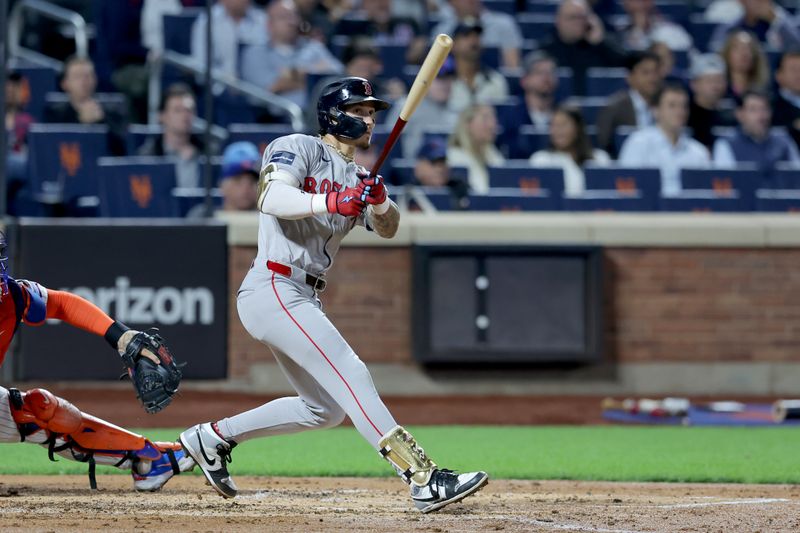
<point x="753" y="141"/>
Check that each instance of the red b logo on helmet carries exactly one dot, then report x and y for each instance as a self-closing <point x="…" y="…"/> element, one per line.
<point x="367" y="88"/>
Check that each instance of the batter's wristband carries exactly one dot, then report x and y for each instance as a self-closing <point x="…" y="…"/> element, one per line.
<point x="380" y="209"/>
<point x="330" y="202"/>
<point x="114" y="332"/>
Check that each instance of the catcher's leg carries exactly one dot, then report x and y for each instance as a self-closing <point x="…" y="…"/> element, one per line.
<point x="43" y="418"/>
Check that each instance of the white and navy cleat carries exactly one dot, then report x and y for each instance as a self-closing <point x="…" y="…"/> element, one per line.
<point x="212" y="454"/>
<point x="446" y="487"/>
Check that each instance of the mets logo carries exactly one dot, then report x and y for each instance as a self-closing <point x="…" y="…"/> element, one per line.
<point x="70" y="156"/>
<point x="141" y="190"/>
<point x="367" y="88"/>
<point x="24" y="92"/>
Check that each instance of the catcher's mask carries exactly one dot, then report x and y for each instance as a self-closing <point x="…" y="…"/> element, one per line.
<point x="335" y="97"/>
<point x="3" y="265"/>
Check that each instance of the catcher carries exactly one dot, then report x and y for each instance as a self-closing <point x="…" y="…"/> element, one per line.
<point x="40" y="417"/>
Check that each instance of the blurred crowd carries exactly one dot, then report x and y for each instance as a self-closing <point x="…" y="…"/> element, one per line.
<point x="571" y="83"/>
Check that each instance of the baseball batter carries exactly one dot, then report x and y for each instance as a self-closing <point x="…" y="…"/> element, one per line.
<point x="312" y="194"/>
<point x="40" y="417"/>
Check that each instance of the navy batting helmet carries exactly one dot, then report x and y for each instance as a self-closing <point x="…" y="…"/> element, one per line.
<point x="335" y="96"/>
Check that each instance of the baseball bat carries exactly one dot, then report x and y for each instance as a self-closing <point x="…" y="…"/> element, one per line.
<point x="427" y="73"/>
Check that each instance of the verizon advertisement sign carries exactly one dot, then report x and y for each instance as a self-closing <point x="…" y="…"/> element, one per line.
<point x="173" y="277"/>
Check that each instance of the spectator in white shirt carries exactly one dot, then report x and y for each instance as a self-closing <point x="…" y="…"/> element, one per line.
<point x="472" y="145"/>
<point x="666" y="146"/>
<point x="473" y="83"/>
<point x="570" y="149"/>
<point x="281" y="64"/>
<point x="500" y="29"/>
<point x="235" y="23"/>
<point x="645" y="25"/>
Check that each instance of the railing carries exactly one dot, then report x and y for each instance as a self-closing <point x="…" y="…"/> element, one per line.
<point x="16" y="22"/>
<point x="185" y="63"/>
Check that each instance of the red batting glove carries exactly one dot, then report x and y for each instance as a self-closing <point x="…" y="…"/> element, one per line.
<point x="347" y="202"/>
<point x="373" y="191"/>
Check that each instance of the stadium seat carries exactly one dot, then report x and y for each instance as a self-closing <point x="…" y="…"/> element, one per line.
<point x="541" y="7"/>
<point x="622" y="133"/>
<point x="403" y="172"/>
<point x="259" y="134"/>
<point x="681" y="59"/>
<point x="524" y="178"/>
<point x="137" y="134"/>
<point x="512" y="200"/>
<point x="393" y="56"/>
<point x="536" y="25"/>
<point x="778" y="200"/>
<point x="63" y="160"/>
<point x="705" y="201"/>
<point x="786" y="176"/>
<point x="643" y="183"/>
<point x="701" y="31"/>
<point x="113" y="101"/>
<point x="135" y="187"/>
<point x="501" y="6"/>
<point x="530" y="140"/>
<point x="676" y="11"/>
<point x="424" y="198"/>
<point x="178" y="30"/>
<point x="440" y="133"/>
<point x="350" y="24"/>
<point x="742" y="180"/>
<point x="187" y="198"/>
<point x="607" y="200"/>
<point x="589" y="106"/>
<point x="603" y="82"/>
<point x="37" y="83"/>
<point x="564" y="90"/>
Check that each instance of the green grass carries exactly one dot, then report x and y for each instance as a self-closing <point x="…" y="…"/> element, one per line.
<point x="738" y="455"/>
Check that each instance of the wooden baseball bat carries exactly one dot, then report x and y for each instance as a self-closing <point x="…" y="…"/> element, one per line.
<point x="427" y="73"/>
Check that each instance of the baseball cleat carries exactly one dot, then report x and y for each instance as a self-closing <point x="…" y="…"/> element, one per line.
<point x="150" y="476"/>
<point x="446" y="487"/>
<point x="212" y="453"/>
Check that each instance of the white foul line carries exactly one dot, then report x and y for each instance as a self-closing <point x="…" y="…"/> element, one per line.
<point x="733" y="502"/>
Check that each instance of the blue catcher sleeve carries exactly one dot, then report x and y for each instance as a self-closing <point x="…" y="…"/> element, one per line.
<point x="35" y="297"/>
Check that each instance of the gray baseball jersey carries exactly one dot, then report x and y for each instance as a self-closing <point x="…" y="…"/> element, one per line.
<point x="285" y="314"/>
<point x="308" y="243"/>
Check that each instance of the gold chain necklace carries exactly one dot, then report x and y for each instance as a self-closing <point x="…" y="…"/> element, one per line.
<point x="346" y="157"/>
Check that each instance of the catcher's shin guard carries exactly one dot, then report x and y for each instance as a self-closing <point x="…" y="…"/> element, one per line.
<point x="399" y="448"/>
<point x="67" y="429"/>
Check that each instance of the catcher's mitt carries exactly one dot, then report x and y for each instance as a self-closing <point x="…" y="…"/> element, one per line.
<point x="155" y="384"/>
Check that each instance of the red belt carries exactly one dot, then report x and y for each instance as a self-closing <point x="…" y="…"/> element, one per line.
<point x="318" y="284"/>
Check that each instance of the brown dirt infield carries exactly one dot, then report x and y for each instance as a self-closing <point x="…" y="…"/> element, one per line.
<point x="65" y="503"/>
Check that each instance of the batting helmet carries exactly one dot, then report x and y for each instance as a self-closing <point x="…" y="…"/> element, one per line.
<point x="3" y="264"/>
<point x="335" y="96"/>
